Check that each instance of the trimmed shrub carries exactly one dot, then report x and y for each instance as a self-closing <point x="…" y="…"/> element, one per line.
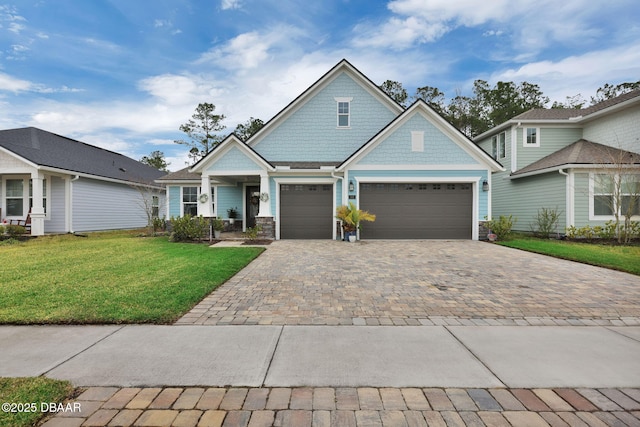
<point x="188" y="228"/>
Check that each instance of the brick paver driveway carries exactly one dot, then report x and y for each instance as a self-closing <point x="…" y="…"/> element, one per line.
<point x="417" y="282"/>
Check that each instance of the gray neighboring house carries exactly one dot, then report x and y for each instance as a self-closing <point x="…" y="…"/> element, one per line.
<point x="567" y="159"/>
<point x="69" y="186"/>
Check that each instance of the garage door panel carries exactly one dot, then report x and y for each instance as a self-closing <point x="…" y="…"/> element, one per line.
<point x="418" y="211"/>
<point x="306" y="211"/>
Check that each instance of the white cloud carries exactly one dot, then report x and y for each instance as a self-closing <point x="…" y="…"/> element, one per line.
<point x="579" y="73"/>
<point x="13" y="84"/>
<point x="532" y="24"/>
<point x="230" y="4"/>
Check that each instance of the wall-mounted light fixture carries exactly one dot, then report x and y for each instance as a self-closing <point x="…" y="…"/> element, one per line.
<point x="352" y="186"/>
<point x="485" y="185"/>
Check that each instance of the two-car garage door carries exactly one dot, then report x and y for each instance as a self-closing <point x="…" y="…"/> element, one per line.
<point x="417" y="210"/>
<point x="403" y="210"/>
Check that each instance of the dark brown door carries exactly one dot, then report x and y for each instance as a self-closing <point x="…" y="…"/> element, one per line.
<point x="253" y="204"/>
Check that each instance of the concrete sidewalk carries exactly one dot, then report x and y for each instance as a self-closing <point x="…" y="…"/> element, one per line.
<point x="324" y="356"/>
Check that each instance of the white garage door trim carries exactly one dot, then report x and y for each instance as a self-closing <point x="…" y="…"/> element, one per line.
<point x="293" y="181"/>
<point x="474" y="181"/>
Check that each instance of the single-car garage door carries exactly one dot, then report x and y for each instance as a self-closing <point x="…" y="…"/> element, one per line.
<point x="417" y="211"/>
<point x="306" y="211"/>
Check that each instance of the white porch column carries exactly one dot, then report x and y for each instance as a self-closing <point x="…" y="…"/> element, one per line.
<point x="205" y="207"/>
<point x="37" y="211"/>
<point x="265" y="201"/>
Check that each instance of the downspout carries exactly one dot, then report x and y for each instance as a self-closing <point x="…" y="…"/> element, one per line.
<point x="568" y="199"/>
<point x="70" y="207"/>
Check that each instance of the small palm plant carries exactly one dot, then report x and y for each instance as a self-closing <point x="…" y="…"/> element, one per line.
<point x="351" y="217"/>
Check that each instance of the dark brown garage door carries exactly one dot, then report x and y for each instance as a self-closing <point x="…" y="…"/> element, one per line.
<point x="306" y="211"/>
<point x="417" y="211"/>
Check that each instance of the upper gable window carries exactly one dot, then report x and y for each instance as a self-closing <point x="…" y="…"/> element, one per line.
<point x="531" y="137"/>
<point x="344" y="112"/>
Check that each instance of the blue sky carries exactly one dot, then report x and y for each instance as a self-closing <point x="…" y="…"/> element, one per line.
<point x="124" y="74"/>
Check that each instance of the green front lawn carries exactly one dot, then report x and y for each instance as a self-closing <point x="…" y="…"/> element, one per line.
<point x="623" y="258"/>
<point x="110" y="278"/>
<point x="26" y="397"/>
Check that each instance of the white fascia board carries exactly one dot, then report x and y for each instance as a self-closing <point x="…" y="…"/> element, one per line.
<point x="313" y="90"/>
<point x="18" y="157"/>
<point x="570" y="166"/>
<point x="438" y="167"/>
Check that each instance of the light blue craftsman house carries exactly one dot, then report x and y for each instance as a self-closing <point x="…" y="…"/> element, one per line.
<point x="570" y="160"/>
<point x="344" y="140"/>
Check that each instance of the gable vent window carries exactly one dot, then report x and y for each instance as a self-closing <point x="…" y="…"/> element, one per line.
<point x="344" y="112"/>
<point x="417" y="141"/>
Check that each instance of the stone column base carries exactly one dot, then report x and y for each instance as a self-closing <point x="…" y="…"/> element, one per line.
<point x="267" y="227"/>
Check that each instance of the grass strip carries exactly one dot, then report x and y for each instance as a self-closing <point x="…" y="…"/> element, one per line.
<point x="616" y="257"/>
<point x="27" y="397"/>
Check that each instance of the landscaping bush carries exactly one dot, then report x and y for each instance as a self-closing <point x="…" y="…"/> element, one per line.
<point x="607" y="232"/>
<point x="159" y="224"/>
<point x="252" y="232"/>
<point x="188" y="228"/>
<point x="14" y="231"/>
<point x="546" y="222"/>
<point x="502" y="226"/>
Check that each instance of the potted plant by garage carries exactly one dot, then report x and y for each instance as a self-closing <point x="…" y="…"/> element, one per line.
<point x="232" y="213"/>
<point x="351" y="217"/>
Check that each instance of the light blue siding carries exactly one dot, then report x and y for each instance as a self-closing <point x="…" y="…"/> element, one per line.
<point x="99" y="205"/>
<point x="311" y="133"/>
<point x="396" y="149"/>
<point x="55" y="221"/>
<point x="174" y="202"/>
<point x="483" y="198"/>
<point x="234" y="159"/>
<point x="229" y="197"/>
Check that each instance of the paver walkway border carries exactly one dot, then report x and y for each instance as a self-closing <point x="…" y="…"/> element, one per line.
<point x="346" y="407"/>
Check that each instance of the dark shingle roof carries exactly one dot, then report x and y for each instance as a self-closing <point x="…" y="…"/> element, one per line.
<point x="567" y="113"/>
<point x="55" y="151"/>
<point x="181" y="175"/>
<point x="581" y="152"/>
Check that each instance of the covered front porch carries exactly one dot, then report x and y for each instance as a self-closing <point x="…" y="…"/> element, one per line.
<point x="242" y="201"/>
<point x="25" y="198"/>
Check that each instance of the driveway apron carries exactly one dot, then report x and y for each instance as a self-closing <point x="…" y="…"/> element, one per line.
<point x="419" y="282"/>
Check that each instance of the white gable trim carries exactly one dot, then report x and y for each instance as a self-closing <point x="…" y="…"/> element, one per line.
<point x="222" y="149"/>
<point x="420" y="107"/>
<point x="314" y="89"/>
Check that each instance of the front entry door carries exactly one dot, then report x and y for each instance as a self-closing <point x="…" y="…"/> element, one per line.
<point x="253" y="204"/>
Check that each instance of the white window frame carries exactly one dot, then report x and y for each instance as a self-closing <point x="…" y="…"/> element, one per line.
<point x="592" y="194"/>
<point x="494" y="146"/>
<point x="525" y="137"/>
<point x="25" y="192"/>
<point x="183" y="203"/>
<point x="343" y="100"/>
<point x="502" y="145"/>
